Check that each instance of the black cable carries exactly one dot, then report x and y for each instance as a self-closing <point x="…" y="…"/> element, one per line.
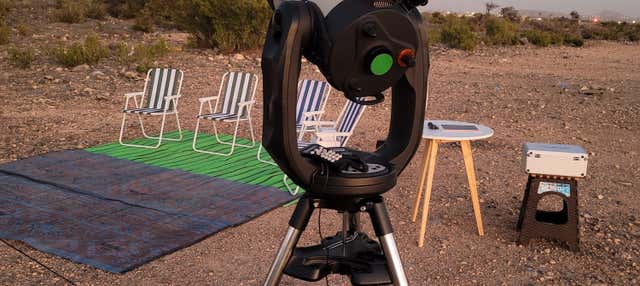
<point x="326" y="255"/>
<point x="38" y="262"/>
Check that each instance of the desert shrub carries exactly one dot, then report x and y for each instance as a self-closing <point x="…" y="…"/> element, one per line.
<point x="542" y="38"/>
<point x="96" y="10"/>
<point x="501" y="32"/>
<point x="573" y="40"/>
<point x="510" y="14"/>
<point x="21" y="58"/>
<point x="458" y="34"/>
<point x="227" y="24"/>
<point x="125" y="8"/>
<point x="71" y="11"/>
<point x="144" y="21"/>
<point x="141" y="54"/>
<point x="434" y="36"/>
<point x="5" y="34"/>
<point x="91" y="51"/>
<point x="24" y="29"/>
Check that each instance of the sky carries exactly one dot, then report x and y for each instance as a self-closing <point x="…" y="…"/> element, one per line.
<point x="630" y="8"/>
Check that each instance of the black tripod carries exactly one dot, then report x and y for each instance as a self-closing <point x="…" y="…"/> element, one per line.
<point x="350" y="252"/>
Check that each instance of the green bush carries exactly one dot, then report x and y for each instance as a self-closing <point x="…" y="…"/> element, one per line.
<point x="90" y="52"/>
<point x="71" y="11"/>
<point x="21" y="58"/>
<point x="144" y="22"/>
<point x="126" y="8"/>
<point x="573" y="40"/>
<point x="227" y="24"/>
<point x="143" y="55"/>
<point x="96" y="10"/>
<point x="458" y="34"/>
<point x="501" y="32"/>
<point x="542" y="38"/>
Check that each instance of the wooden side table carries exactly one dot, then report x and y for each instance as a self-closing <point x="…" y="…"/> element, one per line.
<point x="445" y="131"/>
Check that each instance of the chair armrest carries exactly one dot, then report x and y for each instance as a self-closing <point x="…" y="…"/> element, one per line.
<point x="311" y="115"/>
<point x="133" y="94"/>
<point x="245" y="103"/>
<point x="205" y="99"/>
<point x="329" y="134"/>
<point x="172" y="97"/>
<point x="318" y="123"/>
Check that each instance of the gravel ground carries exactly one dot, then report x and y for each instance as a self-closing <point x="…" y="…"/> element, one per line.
<point x="586" y="96"/>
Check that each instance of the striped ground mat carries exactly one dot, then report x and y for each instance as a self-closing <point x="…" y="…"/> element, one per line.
<point x="116" y="208"/>
<point x="242" y="166"/>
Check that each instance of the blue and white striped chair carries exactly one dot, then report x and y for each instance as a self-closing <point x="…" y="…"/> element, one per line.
<point x="158" y="98"/>
<point x="331" y="133"/>
<point x="312" y="98"/>
<point x="336" y="133"/>
<point x="235" y="106"/>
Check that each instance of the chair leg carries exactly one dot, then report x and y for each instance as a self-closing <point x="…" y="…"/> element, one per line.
<point x="157" y="137"/>
<point x="122" y="128"/>
<point x="293" y="192"/>
<point x="233" y="141"/>
<point x="263" y="160"/>
<point x="423" y="175"/>
<point x="433" y="152"/>
<point x="473" y="186"/>
<point x="215" y="132"/>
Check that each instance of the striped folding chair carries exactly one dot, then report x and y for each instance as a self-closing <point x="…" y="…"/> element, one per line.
<point x="233" y="106"/>
<point x="158" y="98"/>
<point x="312" y="98"/>
<point x="331" y="133"/>
<point x="336" y="133"/>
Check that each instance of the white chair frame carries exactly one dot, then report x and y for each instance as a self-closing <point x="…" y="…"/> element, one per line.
<point x="212" y="108"/>
<point x="164" y="114"/>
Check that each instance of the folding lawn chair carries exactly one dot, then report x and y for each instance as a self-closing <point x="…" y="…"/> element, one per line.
<point x="312" y="98"/>
<point x="158" y="98"/>
<point x="336" y="133"/>
<point x="331" y="133"/>
<point x="235" y="107"/>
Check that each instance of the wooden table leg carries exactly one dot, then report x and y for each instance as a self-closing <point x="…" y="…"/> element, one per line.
<point x="473" y="187"/>
<point x="433" y="152"/>
<point x="423" y="175"/>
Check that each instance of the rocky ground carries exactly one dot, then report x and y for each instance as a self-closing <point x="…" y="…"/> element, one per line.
<point x="586" y="96"/>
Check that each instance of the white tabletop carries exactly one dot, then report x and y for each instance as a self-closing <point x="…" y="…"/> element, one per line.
<point x="451" y="131"/>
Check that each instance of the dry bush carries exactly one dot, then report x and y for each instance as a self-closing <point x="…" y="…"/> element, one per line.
<point x="21" y="58"/>
<point x="141" y="54"/>
<point x="90" y="52"/>
<point x="144" y="22"/>
<point x="5" y="34"/>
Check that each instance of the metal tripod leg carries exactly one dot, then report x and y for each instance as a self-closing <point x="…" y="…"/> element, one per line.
<point x="384" y="232"/>
<point x="297" y="224"/>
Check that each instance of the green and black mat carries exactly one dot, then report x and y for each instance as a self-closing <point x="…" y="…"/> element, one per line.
<point x="243" y="166"/>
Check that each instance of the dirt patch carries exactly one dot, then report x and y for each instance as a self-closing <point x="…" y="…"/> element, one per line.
<point x="586" y="96"/>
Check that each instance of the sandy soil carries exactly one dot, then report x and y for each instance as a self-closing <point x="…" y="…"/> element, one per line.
<point x="525" y="94"/>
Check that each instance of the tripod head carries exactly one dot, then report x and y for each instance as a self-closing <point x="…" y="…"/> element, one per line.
<point x="362" y="47"/>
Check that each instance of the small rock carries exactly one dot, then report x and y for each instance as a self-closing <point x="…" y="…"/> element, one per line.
<point x="97" y="74"/>
<point x="238" y="57"/>
<point x="600" y="197"/>
<point x="131" y="75"/>
<point x="626" y="184"/>
<point x="48" y="77"/>
<point x="524" y="41"/>
<point x="84" y="67"/>
<point x="59" y="69"/>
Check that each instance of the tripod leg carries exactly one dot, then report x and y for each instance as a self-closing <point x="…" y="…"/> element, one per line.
<point x="384" y="232"/>
<point x="297" y="224"/>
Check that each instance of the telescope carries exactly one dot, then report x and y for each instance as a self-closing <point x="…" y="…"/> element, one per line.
<point x="363" y="48"/>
